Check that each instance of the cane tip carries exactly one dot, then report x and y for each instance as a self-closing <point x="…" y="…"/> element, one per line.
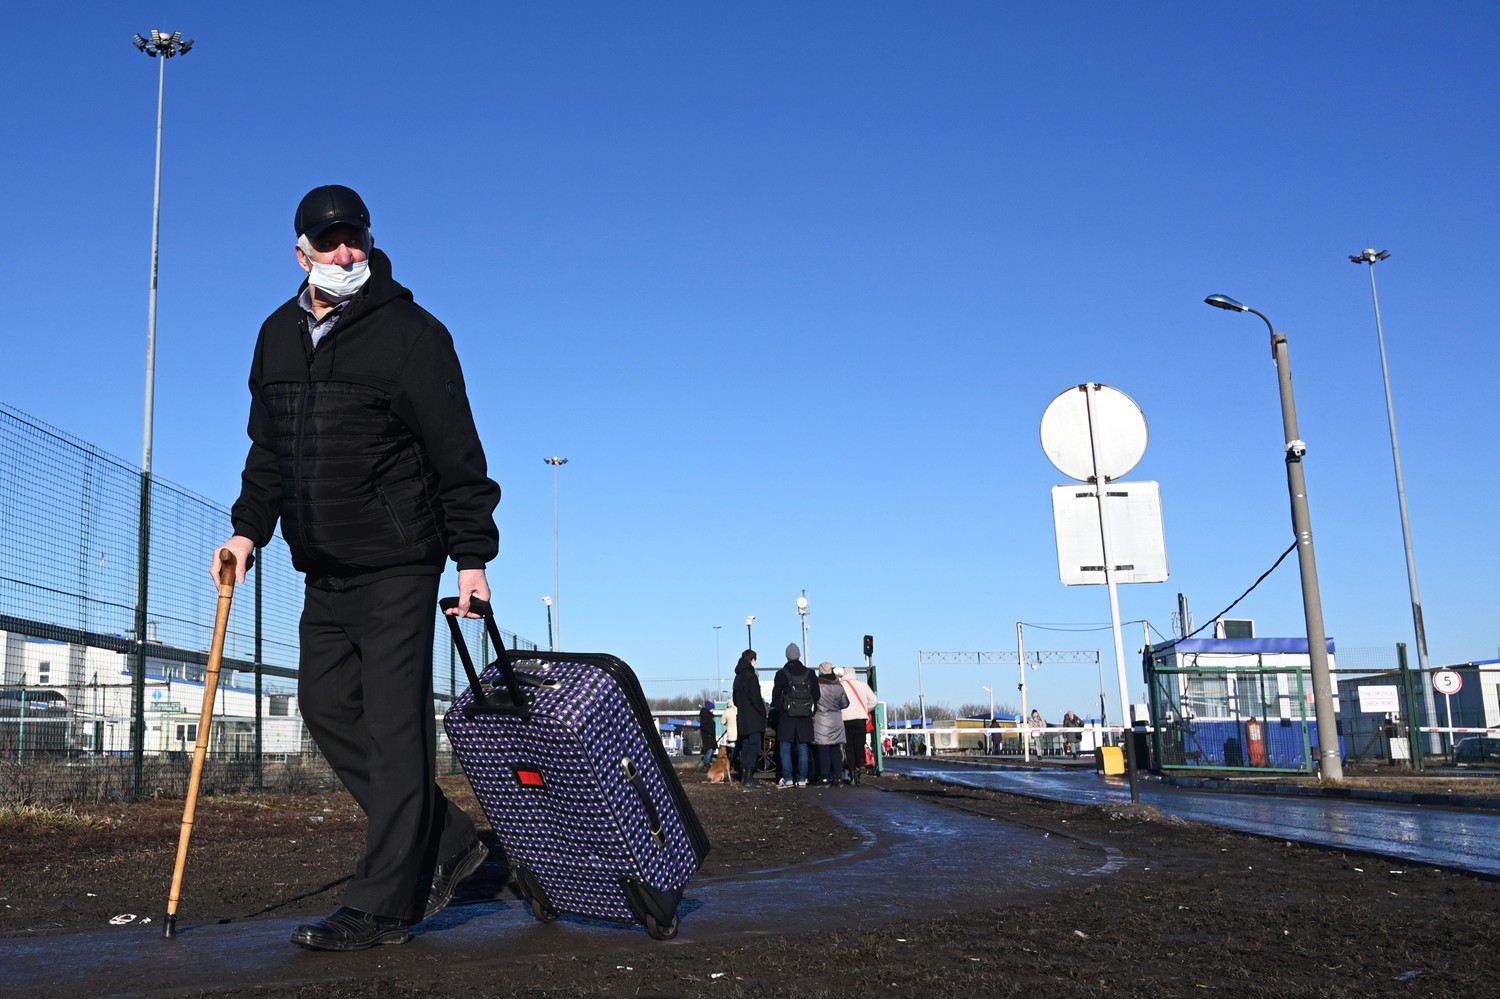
<point x="169" y="926"/>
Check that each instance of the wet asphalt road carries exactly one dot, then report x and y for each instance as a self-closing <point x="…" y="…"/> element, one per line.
<point x="1446" y="837"/>
<point x="897" y="834"/>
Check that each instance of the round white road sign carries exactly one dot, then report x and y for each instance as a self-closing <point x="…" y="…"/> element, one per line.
<point x="1093" y="422"/>
<point x="1445" y="681"/>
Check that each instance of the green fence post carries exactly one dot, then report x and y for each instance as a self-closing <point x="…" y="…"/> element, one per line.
<point x="1413" y="705"/>
<point x="1307" y="752"/>
<point x="21" y="731"/>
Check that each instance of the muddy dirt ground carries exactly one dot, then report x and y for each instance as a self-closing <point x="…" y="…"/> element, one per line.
<point x="1194" y="911"/>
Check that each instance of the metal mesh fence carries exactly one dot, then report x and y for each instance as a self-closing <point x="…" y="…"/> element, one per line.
<point x="70" y="531"/>
<point x="1253" y="712"/>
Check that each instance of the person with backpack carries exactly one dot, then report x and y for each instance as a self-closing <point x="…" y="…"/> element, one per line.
<point x="793" y="693"/>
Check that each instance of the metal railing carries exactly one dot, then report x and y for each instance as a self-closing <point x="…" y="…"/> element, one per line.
<point x="71" y="693"/>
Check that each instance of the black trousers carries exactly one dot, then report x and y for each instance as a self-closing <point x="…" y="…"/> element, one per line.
<point x="749" y="754"/>
<point x="365" y="690"/>
<point x="855" y="739"/>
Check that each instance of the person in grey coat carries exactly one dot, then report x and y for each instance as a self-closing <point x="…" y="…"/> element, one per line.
<point x="828" y="726"/>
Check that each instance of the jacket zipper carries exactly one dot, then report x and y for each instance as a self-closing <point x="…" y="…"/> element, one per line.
<point x="307" y="391"/>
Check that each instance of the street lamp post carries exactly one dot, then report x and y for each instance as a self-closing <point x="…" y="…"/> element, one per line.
<point x="718" y="668"/>
<point x="159" y="46"/>
<point x="1371" y="257"/>
<point x="551" y="643"/>
<point x="556" y="464"/>
<point x="1330" y="764"/>
<point x="802" y="613"/>
<point x="749" y="635"/>
<point x="991" y="692"/>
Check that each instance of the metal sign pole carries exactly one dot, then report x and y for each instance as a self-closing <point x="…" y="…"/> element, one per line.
<point x="1024" y="729"/>
<point x="1114" y="602"/>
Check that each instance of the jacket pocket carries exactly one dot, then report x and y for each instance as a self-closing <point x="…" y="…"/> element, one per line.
<point x="390" y="512"/>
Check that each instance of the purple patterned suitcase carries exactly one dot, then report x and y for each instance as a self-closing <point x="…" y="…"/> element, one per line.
<point x="566" y="761"/>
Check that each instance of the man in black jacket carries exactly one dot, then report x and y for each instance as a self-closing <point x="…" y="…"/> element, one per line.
<point x="363" y="445"/>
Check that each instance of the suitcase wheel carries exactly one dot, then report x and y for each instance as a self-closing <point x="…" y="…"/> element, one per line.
<point x="532" y="894"/>
<point x="660" y="931"/>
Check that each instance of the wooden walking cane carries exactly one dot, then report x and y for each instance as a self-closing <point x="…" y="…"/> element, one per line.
<point x="200" y="749"/>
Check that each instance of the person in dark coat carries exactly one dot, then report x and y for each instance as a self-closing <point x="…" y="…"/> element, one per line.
<point x="794" y="692"/>
<point x="708" y="732"/>
<point x="363" y="446"/>
<point x="750" y="706"/>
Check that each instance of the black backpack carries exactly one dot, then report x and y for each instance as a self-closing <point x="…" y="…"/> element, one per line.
<point x="798" y="701"/>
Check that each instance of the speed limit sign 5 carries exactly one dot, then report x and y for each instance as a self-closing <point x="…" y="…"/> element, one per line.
<point x="1445" y="681"/>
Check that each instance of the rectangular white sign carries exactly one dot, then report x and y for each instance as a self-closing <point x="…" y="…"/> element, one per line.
<point x="1136" y="536"/>
<point x="1381" y="700"/>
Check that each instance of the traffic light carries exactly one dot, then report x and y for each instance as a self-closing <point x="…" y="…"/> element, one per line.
<point x="869" y="646"/>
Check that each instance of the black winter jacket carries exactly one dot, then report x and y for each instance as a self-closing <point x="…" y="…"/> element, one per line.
<point x="789" y="729"/>
<point x="749" y="701"/>
<point x="365" y="447"/>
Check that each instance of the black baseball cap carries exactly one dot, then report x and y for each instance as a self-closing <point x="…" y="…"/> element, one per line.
<point x="330" y="205"/>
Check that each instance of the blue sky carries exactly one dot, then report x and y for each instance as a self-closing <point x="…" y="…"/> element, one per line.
<point x="790" y="285"/>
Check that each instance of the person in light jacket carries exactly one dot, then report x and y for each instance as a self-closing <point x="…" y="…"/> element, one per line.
<point x="856" y="719"/>
<point x="828" y="725"/>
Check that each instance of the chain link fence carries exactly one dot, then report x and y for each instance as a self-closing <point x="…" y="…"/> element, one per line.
<point x="101" y="696"/>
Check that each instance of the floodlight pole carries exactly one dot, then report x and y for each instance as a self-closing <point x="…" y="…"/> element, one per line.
<point x="1370" y="257"/>
<point x="1330" y="761"/>
<point x="556" y="463"/>
<point x="802" y="613"/>
<point x="163" y="46"/>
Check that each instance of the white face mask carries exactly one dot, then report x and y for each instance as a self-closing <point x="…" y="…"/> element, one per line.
<point x="332" y="280"/>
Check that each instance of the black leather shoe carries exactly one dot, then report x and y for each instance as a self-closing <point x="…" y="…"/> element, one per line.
<point x="450" y="872"/>
<point x="351" y="929"/>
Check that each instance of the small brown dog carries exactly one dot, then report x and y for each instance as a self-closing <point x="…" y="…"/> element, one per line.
<point x="719" y="772"/>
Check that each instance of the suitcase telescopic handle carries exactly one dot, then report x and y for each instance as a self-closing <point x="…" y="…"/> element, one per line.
<point x="502" y="658"/>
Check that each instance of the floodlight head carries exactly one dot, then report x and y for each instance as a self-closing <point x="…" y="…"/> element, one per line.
<point x="1225" y="302"/>
<point x="140" y="42"/>
<point x="1370" y="256"/>
<point x="749" y="620"/>
<point x="183" y="48"/>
